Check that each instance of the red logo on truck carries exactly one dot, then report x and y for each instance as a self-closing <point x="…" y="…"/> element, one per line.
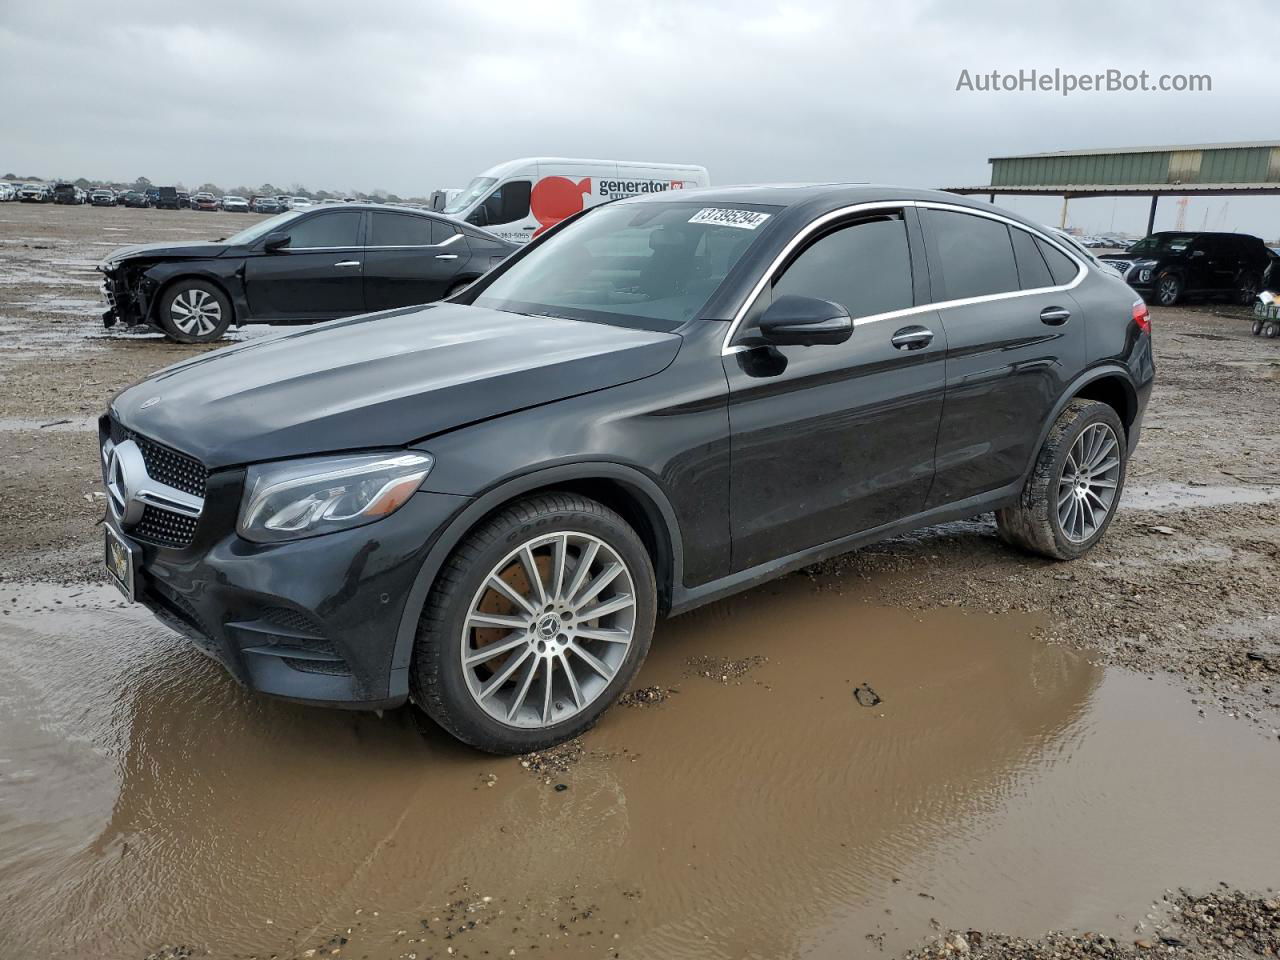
<point x="554" y="198"/>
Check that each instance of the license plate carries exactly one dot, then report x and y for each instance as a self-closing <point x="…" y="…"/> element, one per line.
<point x="119" y="560"/>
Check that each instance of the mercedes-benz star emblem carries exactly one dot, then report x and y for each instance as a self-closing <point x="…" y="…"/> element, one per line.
<point x="125" y="470"/>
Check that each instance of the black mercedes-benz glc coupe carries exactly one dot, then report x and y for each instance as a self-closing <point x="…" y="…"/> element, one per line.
<point x="484" y="505"/>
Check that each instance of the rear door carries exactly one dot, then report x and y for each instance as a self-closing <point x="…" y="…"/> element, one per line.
<point x="1015" y="338"/>
<point x="409" y="258"/>
<point x="835" y="439"/>
<point x="318" y="275"/>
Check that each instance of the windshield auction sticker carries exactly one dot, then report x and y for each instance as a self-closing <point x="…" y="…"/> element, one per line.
<point x="724" y="217"/>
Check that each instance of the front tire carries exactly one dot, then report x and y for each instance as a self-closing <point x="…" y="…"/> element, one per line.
<point x="1169" y="289"/>
<point x="536" y="624"/>
<point x="194" y="311"/>
<point x="1071" y="496"/>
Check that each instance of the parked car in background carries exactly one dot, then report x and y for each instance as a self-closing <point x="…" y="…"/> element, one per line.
<point x="298" y="267"/>
<point x="102" y="197"/>
<point x="35" y="193"/>
<point x="1178" y="264"/>
<point x="485" y="505"/>
<point x="7" y="191"/>
<point x="299" y="203"/>
<point x="521" y="198"/>
<point x="205" y="201"/>
<point x="266" y="205"/>
<point x="167" y="199"/>
<point x="135" y="198"/>
<point x="235" y="204"/>
<point x="67" y="193"/>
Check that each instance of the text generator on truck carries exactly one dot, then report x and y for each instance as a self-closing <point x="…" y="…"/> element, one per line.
<point x="520" y="199"/>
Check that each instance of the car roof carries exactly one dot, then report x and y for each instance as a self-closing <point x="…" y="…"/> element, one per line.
<point x="815" y="199"/>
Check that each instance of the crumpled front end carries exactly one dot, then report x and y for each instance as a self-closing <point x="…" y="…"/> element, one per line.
<point x="128" y="293"/>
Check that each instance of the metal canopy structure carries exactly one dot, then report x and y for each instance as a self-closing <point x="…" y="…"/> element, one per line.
<point x="1203" y="169"/>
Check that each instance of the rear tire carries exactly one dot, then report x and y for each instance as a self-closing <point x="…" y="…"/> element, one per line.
<point x="1247" y="292"/>
<point x="194" y="311"/>
<point x="457" y="288"/>
<point x="1072" y="494"/>
<point x="556" y="668"/>
<point x="1257" y="327"/>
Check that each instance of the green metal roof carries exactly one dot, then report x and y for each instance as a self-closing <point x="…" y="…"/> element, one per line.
<point x="1194" y="168"/>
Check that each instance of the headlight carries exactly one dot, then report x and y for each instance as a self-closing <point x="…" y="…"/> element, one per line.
<point x="304" y="498"/>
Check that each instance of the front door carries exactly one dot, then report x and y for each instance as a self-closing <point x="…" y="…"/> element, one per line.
<point x="318" y="275"/>
<point x="1015" y="338"/>
<point x="831" y="440"/>
<point x="410" y="258"/>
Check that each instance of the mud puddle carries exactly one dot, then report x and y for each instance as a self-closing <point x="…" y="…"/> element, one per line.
<point x="758" y="809"/>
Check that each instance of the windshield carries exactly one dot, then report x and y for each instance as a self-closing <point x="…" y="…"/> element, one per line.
<point x="261" y="229"/>
<point x="1159" y="243"/>
<point x="652" y="265"/>
<point x="476" y="189"/>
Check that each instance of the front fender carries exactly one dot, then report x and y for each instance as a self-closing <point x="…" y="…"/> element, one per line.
<point x="228" y="276"/>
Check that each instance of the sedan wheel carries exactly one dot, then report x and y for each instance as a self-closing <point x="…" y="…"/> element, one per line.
<point x="194" y="311"/>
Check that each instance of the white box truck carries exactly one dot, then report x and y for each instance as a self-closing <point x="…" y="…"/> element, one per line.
<point x="519" y="199"/>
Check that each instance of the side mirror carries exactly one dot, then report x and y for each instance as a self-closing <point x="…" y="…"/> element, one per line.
<point x="275" y="241"/>
<point x="479" y="217"/>
<point x="805" y="321"/>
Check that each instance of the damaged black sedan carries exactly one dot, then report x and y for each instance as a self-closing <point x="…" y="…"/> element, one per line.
<point x="300" y="267"/>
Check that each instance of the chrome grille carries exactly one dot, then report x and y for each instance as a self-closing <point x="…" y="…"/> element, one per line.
<point x="165" y="464"/>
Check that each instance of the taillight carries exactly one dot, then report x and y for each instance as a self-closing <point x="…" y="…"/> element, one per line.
<point x="1142" y="316"/>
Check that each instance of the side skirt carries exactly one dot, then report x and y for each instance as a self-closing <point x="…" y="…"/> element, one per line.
<point x="685" y="599"/>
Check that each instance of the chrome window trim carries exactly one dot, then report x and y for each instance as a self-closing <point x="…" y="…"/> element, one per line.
<point x="727" y="350"/>
<point x="414" y="246"/>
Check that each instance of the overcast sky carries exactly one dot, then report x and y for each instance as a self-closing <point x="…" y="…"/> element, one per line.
<point x="412" y="95"/>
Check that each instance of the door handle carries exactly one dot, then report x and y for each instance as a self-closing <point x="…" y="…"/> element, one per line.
<point x="347" y="263"/>
<point x="446" y="256"/>
<point x="1054" y="316"/>
<point x="912" y="338"/>
<point x="529" y="228"/>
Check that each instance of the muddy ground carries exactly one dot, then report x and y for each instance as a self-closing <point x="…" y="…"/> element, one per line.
<point x="1069" y="741"/>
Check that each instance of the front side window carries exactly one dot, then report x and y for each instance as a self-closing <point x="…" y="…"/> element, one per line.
<point x="340" y="228"/>
<point x="652" y="265"/>
<point x="865" y="267"/>
<point x="508" y="204"/>
<point x="975" y="254"/>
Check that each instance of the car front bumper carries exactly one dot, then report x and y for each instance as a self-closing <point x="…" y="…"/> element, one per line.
<point x="312" y="620"/>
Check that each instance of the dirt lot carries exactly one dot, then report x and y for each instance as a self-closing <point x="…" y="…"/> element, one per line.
<point x="1183" y="590"/>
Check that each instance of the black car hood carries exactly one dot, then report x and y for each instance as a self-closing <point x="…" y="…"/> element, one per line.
<point x="381" y="380"/>
<point x="197" y="250"/>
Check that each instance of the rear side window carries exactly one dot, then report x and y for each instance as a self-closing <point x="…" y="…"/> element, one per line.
<point x="975" y="254"/>
<point x="865" y="267"/>
<point x="1062" y="267"/>
<point x="399" y="230"/>
<point x="338" y="228"/>
<point x="1033" y="272"/>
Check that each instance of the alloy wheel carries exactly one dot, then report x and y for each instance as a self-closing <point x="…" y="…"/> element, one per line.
<point x="1087" y="487"/>
<point x="548" y="629"/>
<point x="195" y="312"/>
<point x="1168" y="290"/>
